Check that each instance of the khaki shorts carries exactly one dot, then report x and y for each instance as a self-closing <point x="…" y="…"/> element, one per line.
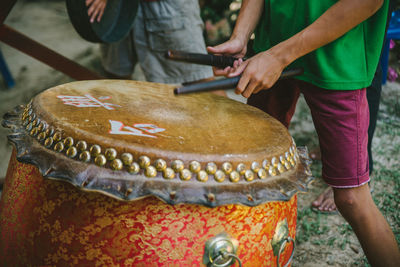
<point x="160" y="26"/>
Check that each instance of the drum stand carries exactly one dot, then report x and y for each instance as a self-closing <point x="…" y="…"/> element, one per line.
<point x="36" y="50"/>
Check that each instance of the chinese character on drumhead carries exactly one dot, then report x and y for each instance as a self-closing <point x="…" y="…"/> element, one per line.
<point x="138" y="129"/>
<point x="87" y="101"/>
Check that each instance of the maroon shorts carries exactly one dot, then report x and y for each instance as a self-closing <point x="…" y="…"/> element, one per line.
<point x="341" y="120"/>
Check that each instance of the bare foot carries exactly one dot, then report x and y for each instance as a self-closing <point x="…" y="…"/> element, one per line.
<point x="325" y="201"/>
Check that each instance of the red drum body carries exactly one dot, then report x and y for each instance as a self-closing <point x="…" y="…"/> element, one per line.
<point x="48" y="222"/>
<point x="86" y="200"/>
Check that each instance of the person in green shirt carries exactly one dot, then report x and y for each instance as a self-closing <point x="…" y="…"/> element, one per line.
<point x="338" y="44"/>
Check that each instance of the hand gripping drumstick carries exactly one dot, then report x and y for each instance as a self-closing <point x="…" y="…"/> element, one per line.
<point x="228" y="83"/>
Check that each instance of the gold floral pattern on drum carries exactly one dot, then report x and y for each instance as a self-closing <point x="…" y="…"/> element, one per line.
<point x="47" y="222"/>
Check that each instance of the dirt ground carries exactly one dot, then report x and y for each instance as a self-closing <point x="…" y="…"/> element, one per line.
<point x="322" y="240"/>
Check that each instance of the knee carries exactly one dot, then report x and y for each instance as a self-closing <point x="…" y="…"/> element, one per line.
<point x="345" y="199"/>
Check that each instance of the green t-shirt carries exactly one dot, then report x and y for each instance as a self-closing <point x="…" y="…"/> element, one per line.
<point x="347" y="63"/>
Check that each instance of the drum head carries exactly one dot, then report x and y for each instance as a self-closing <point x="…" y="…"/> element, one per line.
<point x="131" y="139"/>
<point x="115" y="24"/>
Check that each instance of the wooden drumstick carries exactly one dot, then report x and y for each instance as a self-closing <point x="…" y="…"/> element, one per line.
<point x="224" y="84"/>
<point x="203" y="59"/>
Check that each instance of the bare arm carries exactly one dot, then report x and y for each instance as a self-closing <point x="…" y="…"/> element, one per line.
<point x="249" y="15"/>
<point x="335" y="22"/>
<point x="263" y="70"/>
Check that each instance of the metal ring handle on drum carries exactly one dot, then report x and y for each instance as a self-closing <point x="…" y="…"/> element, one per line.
<point x="225" y="255"/>
<point x="282" y="248"/>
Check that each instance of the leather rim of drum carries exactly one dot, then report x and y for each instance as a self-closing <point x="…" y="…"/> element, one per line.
<point x="36" y="143"/>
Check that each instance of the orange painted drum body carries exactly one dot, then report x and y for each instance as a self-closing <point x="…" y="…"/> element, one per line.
<point x="47" y="222"/>
<point x="75" y="194"/>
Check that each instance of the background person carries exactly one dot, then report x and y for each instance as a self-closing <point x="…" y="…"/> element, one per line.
<point x="159" y="26"/>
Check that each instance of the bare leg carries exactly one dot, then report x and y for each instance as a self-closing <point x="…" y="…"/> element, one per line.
<point x="373" y="232"/>
<point x="325" y="201"/>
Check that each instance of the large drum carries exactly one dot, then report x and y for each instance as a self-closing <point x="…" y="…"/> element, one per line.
<point x="124" y="173"/>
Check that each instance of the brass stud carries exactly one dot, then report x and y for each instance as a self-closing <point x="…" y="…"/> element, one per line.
<point x="81" y="145"/>
<point x="291" y="151"/>
<point x="185" y="175"/>
<point x="280" y="168"/>
<point x="234" y="177"/>
<point x="241" y="168"/>
<point x="272" y="171"/>
<point x="250" y="198"/>
<point x="211" y="197"/>
<point x="150" y="171"/>
<point x="134" y="168"/>
<point x="219" y="176"/>
<point x="116" y="165"/>
<point x="84" y="156"/>
<point x="177" y="165"/>
<point x="172" y="195"/>
<point x="29" y="126"/>
<point x="211" y="168"/>
<point x="94" y="150"/>
<point x="32" y="117"/>
<point x="274" y="162"/>
<point x="168" y="173"/>
<point x="41" y="126"/>
<point x="249" y="176"/>
<point x="48" y="142"/>
<point x="282" y="159"/>
<point x="144" y="162"/>
<point x="59" y="147"/>
<point x="265" y="164"/>
<point x="127" y="159"/>
<point x="24" y="116"/>
<point x="36" y="122"/>
<point x="57" y="136"/>
<point x="128" y="191"/>
<point x="227" y="167"/>
<point x="41" y="136"/>
<point x="292" y="162"/>
<point x="202" y="176"/>
<point x="287" y="156"/>
<point x="255" y="166"/>
<point x="50" y="131"/>
<point x="194" y="166"/>
<point x="72" y="152"/>
<point x="34" y="131"/>
<point x="262" y="174"/>
<point x="110" y="153"/>
<point x="160" y="165"/>
<point x="69" y="141"/>
<point x="100" y="160"/>
<point x="287" y="165"/>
